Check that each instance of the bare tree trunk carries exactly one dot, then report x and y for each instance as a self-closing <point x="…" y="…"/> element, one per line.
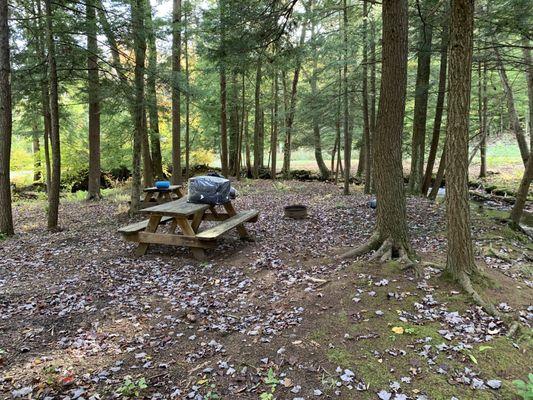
<point x="234" y="125"/>
<point x="137" y="19"/>
<point x="6" y="124"/>
<point x="529" y="75"/>
<point x="513" y="115"/>
<point x="176" y="92"/>
<point x="153" y="114"/>
<point x="440" y="175"/>
<point x="366" y="116"/>
<point x="460" y="254"/>
<point x="55" y="181"/>
<point x="247" y="147"/>
<point x="420" y="111"/>
<point x="274" y="137"/>
<point x="390" y="237"/>
<point x="93" y="192"/>
<point x="521" y="196"/>
<point x="36" y="147"/>
<point x="187" y="96"/>
<point x="439" y="107"/>
<point x="223" y="123"/>
<point x="146" y="154"/>
<point x="483" y="106"/>
<point x="257" y="118"/>
<point x="347" y="133"/>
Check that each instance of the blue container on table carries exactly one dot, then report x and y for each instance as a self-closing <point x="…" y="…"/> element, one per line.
<point x="162" y="184"/>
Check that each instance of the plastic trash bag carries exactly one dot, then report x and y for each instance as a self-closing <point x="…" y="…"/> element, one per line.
<point x="209" y="190"/>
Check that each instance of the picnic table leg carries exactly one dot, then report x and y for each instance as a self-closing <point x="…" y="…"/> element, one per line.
<point x="187" y="229"/>
<point x="173" y="226"/>
<point x="147" y="198"/>
<point x="243" y="233"/>
<point x="197" y="220"/>
<point x="153" y="223"/>
<point x="179" y="193"/>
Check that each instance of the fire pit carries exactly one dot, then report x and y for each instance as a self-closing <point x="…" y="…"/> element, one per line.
<point x="296" y="211"/>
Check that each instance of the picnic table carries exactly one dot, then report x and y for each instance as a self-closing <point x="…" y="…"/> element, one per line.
<point x="187" y="217"/>
<point x="161" y="195"/>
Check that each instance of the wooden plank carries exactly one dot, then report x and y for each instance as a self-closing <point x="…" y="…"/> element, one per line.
<point x="178" y="208"/>
<point x="153" y="223"/>
<point x="139" y="226"/>
<point x="172" y="188"/>
<point x="232" y="222"/>
<point x="171" y="240"/>
<point x="243" y="233"/>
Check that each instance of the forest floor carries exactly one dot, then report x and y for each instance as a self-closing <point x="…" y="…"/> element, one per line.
<point x="280" y="318"/>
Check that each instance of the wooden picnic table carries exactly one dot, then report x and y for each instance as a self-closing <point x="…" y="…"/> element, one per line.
<point x="188" y="218"/>
<point x="161" y="195"/>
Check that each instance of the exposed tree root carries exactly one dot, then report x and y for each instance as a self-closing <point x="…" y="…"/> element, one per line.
<point x="372" y="244"/>
<point x="466" y="284"/>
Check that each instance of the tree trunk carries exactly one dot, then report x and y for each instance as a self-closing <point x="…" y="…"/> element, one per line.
<point x="257" y="118"/>
<point x="234" y="126"/>
<point x="223" y="123"/>
<point x="460" y="254"/>
<point x="6" y="124"/>
<point x="513" y="115"/>
<point x="439" y="107"/>
<point x="55" y="181"/>
<point x="347" y="133"/>
<point x="274" y="137"/>
<point x="420" y="111"/>
<point x="153" y="114"/>
<point x="529" y="75"/>
<point x="176" y="92"/>
<point x="440" y="175"/>
<point x="137" y="19"/>
<point x="146" y="154"/>
<point x="36" y="147"/>
<point x="93" y="192"/>
<point x="187" y="96"/>
<point x="247" y="147"/>
<point x="366" y="114"/>
<point x="521" y="196"/>
<point x="483" y="106"/>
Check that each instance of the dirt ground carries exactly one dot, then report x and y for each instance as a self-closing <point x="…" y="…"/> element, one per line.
<point x="281" y="318"/>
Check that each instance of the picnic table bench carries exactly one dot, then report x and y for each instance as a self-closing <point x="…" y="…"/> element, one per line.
<point x="161" y="195"/>
<point x="188" y="218"/>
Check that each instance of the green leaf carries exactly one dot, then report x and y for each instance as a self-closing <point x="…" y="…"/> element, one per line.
<point x="472" y="358"/>
<point x="483" y="348"/>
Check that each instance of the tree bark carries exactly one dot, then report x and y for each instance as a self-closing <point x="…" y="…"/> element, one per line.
<point x="234" y="126"/>
<point x="55" y="181"/>
<point x="176" y="92"/>
<point x="460" y="254"/>
<point x="529" y="76"/>
<point x="274" y="137"/>
<point x="93" y="192"/>
<point x="521" y="196"/>
<point x="36" y="147"/>
<point x="347" y="133"/>
<point x="440" y="175"/>
<point x="6" y="124"/>
<point x="437" y="122"/>
<point x="153" y="114"/>
<point x="139" y="40"/>
<point x="257" y="118"/>
<point x="223" y="123"/>
<point x="483" y="106"/>
<point x="187" y="96"/>
<point x="420" y="111"/>
<point x="513" y="115"/>
<point x="366" y="113"/>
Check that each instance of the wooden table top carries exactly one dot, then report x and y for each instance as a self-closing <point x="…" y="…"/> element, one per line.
<point x="176" y="208"/>
<point x="156" y="189"/>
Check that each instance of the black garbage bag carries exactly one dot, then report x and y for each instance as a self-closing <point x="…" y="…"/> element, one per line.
<point x="209" y="190"/>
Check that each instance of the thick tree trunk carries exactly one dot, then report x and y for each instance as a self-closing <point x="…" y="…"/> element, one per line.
<point x="483" y="106"/>
<point x="187" y="96"/>
<point x="347" y="133"/>
<point x="420" y="111"/>
<point x="6" y="124"/>
<point x="513" y="115"/>
<point x="55" y="181"/>
<point x="93" y="192"/>
<point x="521" y="196"/>
<point x="366" y="113"/>
<point x="153" y="114"/>
<point x="274" y="137"/>
<point x="390" y="236"/>
<point x="176" y="92"/>
<point x="437" y="122"/>
<point x="460" y="254"/>
<point x="137" y="19"/>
